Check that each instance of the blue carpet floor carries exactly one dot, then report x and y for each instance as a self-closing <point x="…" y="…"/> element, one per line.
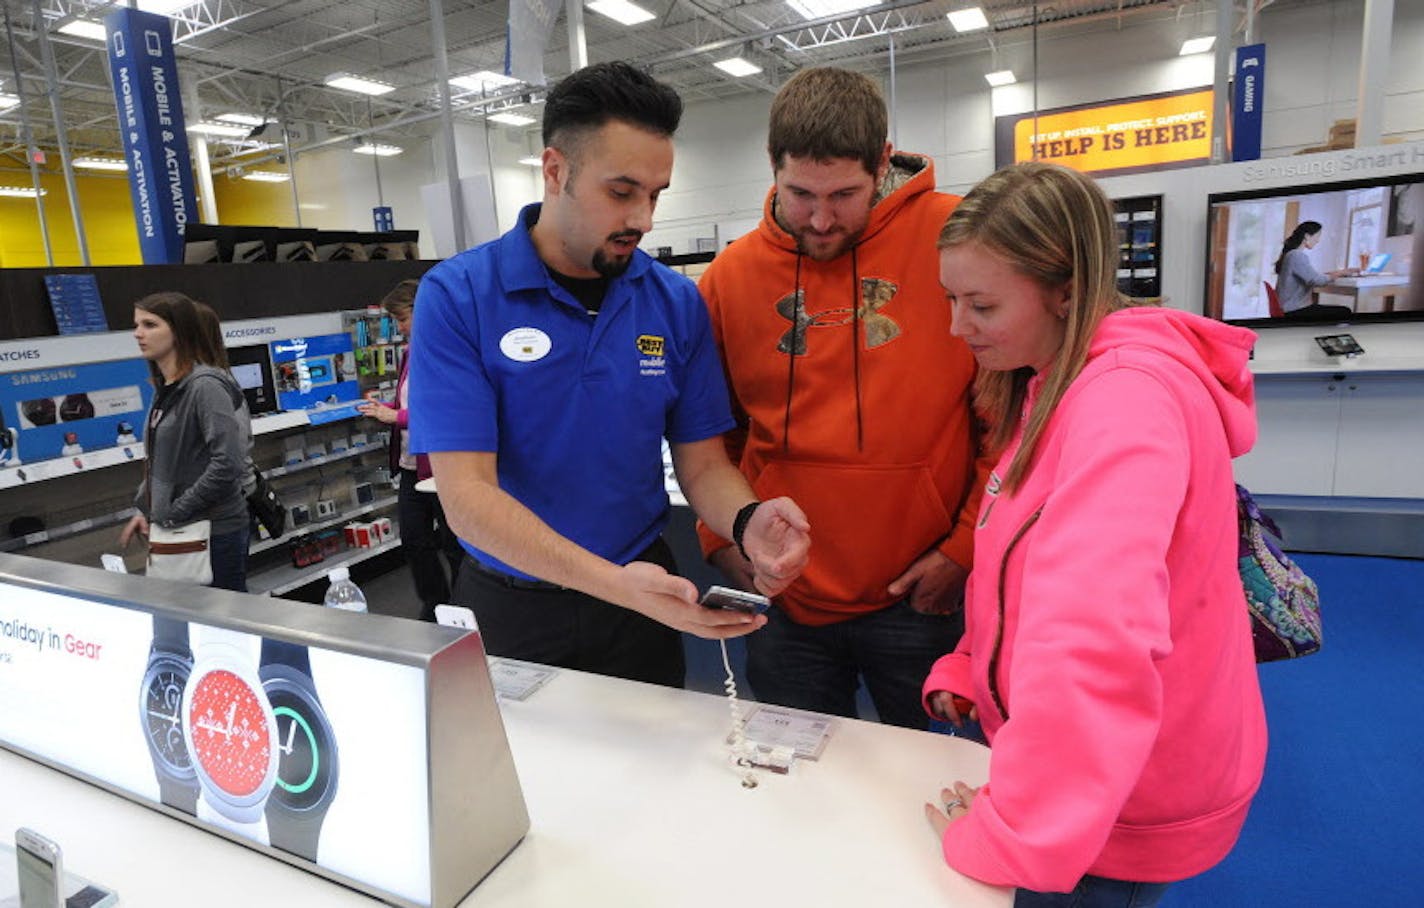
<point x="1339" y="819"/>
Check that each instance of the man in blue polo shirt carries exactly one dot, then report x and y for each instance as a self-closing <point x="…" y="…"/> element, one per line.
<point x="546" y="368"/>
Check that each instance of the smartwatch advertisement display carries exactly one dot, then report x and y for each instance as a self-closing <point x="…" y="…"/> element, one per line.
<point x="316" y="370"/>
<point x="68" y="410"/>
<point x="319" y="753"/>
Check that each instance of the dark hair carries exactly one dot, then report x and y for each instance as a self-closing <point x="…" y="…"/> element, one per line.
<point x="195" y="327"/>
<point x="211" y="349"/>
<point x="586" y="99"/>
<point x="1298" y="235"/>
<point x="826" y="113"/>
<point x="401" y="298"/>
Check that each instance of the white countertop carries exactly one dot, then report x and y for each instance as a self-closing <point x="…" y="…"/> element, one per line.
<point x="632" y="804"/>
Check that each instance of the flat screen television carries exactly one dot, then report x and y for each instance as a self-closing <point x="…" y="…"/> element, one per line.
<point x="1371" y="236"/>
<point x="252" y="367"/>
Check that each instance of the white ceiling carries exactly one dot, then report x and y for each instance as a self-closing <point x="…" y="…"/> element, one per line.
<point x="271" y="56"/>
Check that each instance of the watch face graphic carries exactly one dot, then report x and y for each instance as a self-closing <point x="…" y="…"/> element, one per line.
<point x="163" y="715"/>
<point x="306" y="752"/>
<point x="231" y="735"/>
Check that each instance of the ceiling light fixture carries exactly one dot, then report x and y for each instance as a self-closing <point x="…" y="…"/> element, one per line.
<point x="484" y="80"/>
<point x="621" y="11"/>
<point x="1000" y="77"/>
<point x="358" y="84"/>
<point x="532" y="161"/>
<point x="241" y="119"/>
<point x="84" y="28"/>
<point x="164" y="7"/>
<point x="818" y="9"/>
<point x="737" y="67"/>
<point x="1197" y="45"/>
<point x="8" y="101"/>
<point x="968" y="20"/>
<point x="220" y="130"/>
<point x="90" y="163"/>
<point x="511" y="119"/>
<point x="20" y="192"/>
<point x="266" y="176"/>
<point x="376" y="149"/>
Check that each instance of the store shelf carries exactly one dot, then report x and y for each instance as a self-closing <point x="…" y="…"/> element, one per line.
<point x="67" y="530"/>
<point x="289" y="469"/>
<point x="40" y="470"/>
<point x="293" y="419"/>
<point x="287" y="578"/>
<point x="266" y="544"/>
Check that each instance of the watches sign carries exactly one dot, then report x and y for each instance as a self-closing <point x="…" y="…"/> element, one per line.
<point x="1150" y="132"/>
<point x="275" y="742"/>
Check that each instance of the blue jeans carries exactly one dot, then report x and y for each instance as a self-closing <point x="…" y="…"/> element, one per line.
<point x="1095" y="892"/>
<point x="228" y="554"/>
<point x="819" y="668"/>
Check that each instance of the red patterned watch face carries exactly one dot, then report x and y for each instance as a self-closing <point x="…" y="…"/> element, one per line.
<point x="230" y="733"/>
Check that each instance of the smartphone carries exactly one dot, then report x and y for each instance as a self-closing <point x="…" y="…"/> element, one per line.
<point x="735" y="600"/>
<point x="40" y="870"/>
<point x="43" y="882"/>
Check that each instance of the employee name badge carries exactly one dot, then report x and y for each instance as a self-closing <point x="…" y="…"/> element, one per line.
<point x="525" y="345"/>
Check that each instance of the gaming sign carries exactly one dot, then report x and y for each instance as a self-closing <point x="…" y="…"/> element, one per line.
<point x="1151" y="132"/>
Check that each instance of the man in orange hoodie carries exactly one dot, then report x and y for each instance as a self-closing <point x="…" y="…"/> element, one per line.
<point x="852" y="397"/>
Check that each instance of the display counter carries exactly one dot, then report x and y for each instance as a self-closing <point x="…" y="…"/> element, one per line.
<point x="631" y="803"/>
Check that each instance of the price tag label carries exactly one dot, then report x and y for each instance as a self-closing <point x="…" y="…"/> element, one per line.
<point x="806" y="733"/>
<point x="514" y="680"/>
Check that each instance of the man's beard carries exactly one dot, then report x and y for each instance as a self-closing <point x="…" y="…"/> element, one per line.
<point x="608" y="266"/>
<point x="842" y="244"/>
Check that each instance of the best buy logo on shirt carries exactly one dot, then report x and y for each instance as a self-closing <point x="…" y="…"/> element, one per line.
<point x="650" y="345"/>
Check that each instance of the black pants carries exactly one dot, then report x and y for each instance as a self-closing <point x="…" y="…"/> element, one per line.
<point x="424" y="534"/>
<point x="569" y="629"/>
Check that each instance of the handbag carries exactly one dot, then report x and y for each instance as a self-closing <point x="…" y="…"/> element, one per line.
<point x="181" y="553"/>
<point x="1284" y="603"/>
<point x="266" y="506"/>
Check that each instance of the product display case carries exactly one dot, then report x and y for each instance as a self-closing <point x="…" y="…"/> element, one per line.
<point x="1139" y="268"/>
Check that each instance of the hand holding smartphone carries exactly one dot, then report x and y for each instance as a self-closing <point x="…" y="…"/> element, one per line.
<point x="721" y="597"/>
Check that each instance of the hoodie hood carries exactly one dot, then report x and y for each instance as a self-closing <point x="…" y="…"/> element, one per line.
<point x="908" y="176"/>
<point x="1216" y="353"/>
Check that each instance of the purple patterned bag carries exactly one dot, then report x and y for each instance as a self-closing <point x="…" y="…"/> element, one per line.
<point x="1283" y="601"/>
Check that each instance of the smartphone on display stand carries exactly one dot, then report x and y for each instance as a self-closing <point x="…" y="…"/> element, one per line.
<point x="40" y="868"/>
<point x="43" y="883"/>
<point x="721" y="597"/>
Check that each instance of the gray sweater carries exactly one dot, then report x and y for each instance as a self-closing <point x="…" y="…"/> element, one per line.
<point x="1297" y="278"/>
<point x="198" y="443"/>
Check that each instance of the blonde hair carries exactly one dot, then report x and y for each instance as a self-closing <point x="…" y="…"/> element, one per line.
<point x="1056" y="227"/>
<point x="401" y="299"/>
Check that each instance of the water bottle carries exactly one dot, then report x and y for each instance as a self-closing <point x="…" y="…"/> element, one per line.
<point x="342" y="593"/>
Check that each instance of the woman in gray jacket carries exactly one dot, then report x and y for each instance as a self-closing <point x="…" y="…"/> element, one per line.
<point x="198" y="435"/>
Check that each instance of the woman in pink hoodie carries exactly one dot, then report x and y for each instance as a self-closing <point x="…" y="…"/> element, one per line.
<point x="1107" y="651"/>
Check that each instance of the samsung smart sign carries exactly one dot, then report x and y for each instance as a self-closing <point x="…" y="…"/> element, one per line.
<point x="311" y="751"/>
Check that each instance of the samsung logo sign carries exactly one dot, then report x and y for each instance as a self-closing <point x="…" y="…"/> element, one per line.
<point x="9" y="356"/>
<point x="250" y="332"/>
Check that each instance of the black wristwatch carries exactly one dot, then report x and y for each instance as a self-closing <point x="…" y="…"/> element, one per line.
<point x="739" y="526"/>
<point x="170" y="662"/>
<point x="307" y="760"/>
